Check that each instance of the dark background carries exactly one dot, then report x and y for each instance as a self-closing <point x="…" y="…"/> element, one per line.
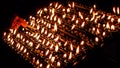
<point x="106" y="56"/>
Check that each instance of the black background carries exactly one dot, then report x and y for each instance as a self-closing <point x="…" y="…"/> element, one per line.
<point x="106" y="56"/>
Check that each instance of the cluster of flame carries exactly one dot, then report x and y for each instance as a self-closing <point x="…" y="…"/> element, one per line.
<point x="60" y="34"/>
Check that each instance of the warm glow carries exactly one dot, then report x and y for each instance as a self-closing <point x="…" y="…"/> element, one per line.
<point x="65" y="55"/>
<point x="56" y="48"/>
<point x="70" y="55"/>
<point x="82" y="43"/>
<point x="52" y="59"/>
<point x="114" y="10"/>
<point x="55" y="27"/>
<point x="107" y="26"/>
<point x="112" y="27"/>
<point x="118" y="20"/>
<point x="81" y="16"/>
<point x="118" y="10"/>
<point x="47" y="52"/>
<point x="58" y="64"/>
<point x="96" y="39"/>
<point x="83" y="24"/>
<point x="73" y="27"/>
<point x="77" y="49"/>
<point x="71" y="47"/>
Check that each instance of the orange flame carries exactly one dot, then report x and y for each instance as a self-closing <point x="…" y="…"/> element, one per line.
<point x="77" y="49"/>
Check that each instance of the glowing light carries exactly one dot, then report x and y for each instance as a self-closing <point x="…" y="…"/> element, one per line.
<point x="107" y="26"/>
<point x="118" y="20"/>
<point x="70" y="55"/>
<point x="112" y="27"/>
<point x="82" y="43"/>
<point x="52" y="59"/>
<point x="114" y="10"/>
<point x="83" y="24"/>
<point x="80" y="15"/>
<point x="104" y="34"/>
<point x="47" y="52"/>
<point x="64" y="16"/>
<point x="73" y="18"/>
<point x="56" y="48"/>
<point x="48" y="66"/>
<point x="94" y="6"/>
<point x="71" y="47"/>
<point x="65" y="43"/>
<point x="42" y="30"/>
<point x="118" y="10"/>
<point x="37" y="62"/>
<point x="56" y="39"/>
<point x="96" y="39"/>
<point x="73" y="4"/>
<point x="55" y="27"/>
<point x="59" y="20"/>
<point x="65" y="55"/>
<point x="68" y="9"/>
<point x="4" y="33"/>
<point x="58" y="64"/>
<point x="91" y="10"/>
<point x="77" y="49"/>
<point x="45" y="9"/>
<point x="73" y="27"/>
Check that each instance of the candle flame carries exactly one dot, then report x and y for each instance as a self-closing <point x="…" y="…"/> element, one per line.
<point x="73" y="18"/>
<point x="51" y="46"/>
<point x="118" y="20"/>
<point x="96" y="39"/>
<point x="47" y="43"/>
<point x="58" y="64"/>
<point x="108" y="26"/>
<point x="71" y="47"/>
<point x="64" y="15"/>
<point x="77" y="49"/>
<point x="52" y="59"/>
<point x="37" y="62"/>
<point x="80" y="15"/>
<point x="104" y="33"/>
<point x="65" y="55"/>
<point x="56" y="48"/>
<point x="21" y="48"/>
<point x="91" y="10"/>
<point x="68" y="9"/>
<point x="65" y="43"/>
<point x="59" y="6"/>
<point x="112" y="27"/>
<point x="118" y="10"/>
<point x="55" y="27"/>
<point x="41" y="65"/>
<point x="48" y="66"/>
<point x="42" y="30"/>
<point x="94" y="6"/>
<point x="45" y="9"/>
<point x="70" y="55"/>
<point x="83" y="24"/>
<point x="59" y="21"/>
<point x="73" y="26"/>
<point x="56" y="39"/>
<point x="114" y="10"/>
<point x="82" y="43"/>
<point x="50" y="56"/>
<point x="47" y="52"/>
<point x="73" y="4"/>
<point x="25" y="50"/>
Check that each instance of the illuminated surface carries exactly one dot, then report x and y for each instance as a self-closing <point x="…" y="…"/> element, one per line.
<point x="61" y="34"/>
